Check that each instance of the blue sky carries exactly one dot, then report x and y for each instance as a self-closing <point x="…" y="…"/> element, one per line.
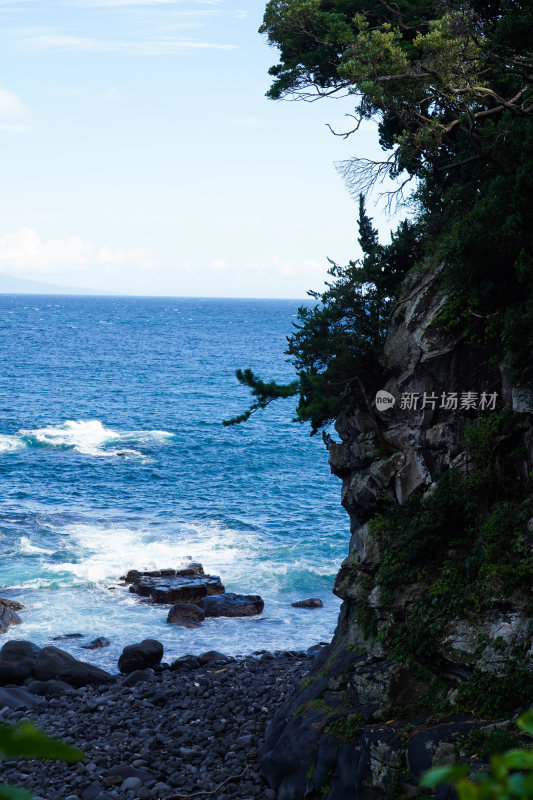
<point x="140" y="155"/>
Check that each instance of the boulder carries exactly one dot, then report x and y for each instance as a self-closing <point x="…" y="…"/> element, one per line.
<point x="8" y="618"/>
<point x="185" y="663"/>
<point x="147" y="653"/>
<point x="213" y="656"/>
<point x="17" y="661"/>
<point x="54" y="663"/>
<point x="232" y="605"/>
<point x="17" y="673"/>
<point x="139" y="676"/>
<point x="187" y="615"/>
<point x="100" y="641"/>
<point x="67" y="636"/>
<point x="311" y="602"/>
<point x="15" y="650"/>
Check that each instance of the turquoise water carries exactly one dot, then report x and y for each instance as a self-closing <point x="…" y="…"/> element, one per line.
<point x="113" y="456"/>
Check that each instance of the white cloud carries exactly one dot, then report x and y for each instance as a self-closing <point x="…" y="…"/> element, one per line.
<point x="10" y="104"/>
<point x="25" y="252"/>
<point x="83" y="44"/>
<point x="273" y="266"/>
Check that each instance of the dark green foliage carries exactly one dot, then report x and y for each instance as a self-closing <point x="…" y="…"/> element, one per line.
<point x="346" y="728"/>
<point x="336" y="344"/>
<point x="26" y="742"/>
<point x="485" y="745"/>
<point x="492" y="695"/>
<point x="264" y="392"/>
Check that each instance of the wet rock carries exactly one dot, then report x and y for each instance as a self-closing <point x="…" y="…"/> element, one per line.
<point x="189" y="589"/>
<point x="192" y="568"/>
<point x="67" y="636"/>
<point x="147" y="653"/>
<point x="14" y="605"/>
<point x="100" y="641"/>
<point x="186" y="585"/>
<point x="232" y="605"/>
<point x="312" y="602"/>
<point x="187" y="615"/>
<point x="8" y="618"/>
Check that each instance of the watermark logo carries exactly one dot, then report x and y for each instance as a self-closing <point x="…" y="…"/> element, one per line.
<point x="384" y="400"/>
<point x="447" y="401"/>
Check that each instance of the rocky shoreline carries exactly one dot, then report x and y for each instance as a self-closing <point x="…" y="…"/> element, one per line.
<point x="190" y="729"/>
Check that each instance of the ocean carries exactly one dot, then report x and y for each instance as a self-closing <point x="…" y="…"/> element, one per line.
<point x="113" y="456"/>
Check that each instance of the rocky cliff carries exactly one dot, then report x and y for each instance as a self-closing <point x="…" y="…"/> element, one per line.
<point x="434" y="638"/>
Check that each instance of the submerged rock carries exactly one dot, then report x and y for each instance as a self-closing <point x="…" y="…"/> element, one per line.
<point x="311" y="602"/>
<point x="100" y="641"/>
<point x="147" y="653"/>
<point x="232" y="605"/>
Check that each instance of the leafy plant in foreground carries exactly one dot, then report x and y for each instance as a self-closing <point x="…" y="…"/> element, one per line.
<point x="27" y="742"/>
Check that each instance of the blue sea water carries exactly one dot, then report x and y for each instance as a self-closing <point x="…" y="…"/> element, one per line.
<point x="113" y="456"/>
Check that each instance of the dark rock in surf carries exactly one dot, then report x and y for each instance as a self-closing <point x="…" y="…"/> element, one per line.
<point x="147" y="653"/>
<point x="311" y="602"/>
<point x="187" y="615"/>
<point x="229" y="604"/>
<point x="8" y="618"/>
<point x="100" y="641"/>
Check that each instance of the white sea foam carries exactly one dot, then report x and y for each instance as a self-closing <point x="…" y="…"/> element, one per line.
<point x="104" y="552"/>
<point x="27" y="548"/>
<point x="10" y="443"/>
<point x="91" y="438"/>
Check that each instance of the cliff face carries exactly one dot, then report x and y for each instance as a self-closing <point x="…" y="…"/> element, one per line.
<point x="369" y="719"/>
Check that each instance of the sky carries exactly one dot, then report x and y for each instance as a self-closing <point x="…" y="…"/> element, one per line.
<point x="140" y="154"/>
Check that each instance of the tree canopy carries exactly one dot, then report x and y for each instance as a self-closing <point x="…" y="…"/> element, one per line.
<point x="450" y="86"/>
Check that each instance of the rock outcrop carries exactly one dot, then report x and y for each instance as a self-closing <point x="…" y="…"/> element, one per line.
<point x="169" y="586"/>
<point x="367" y="722"/>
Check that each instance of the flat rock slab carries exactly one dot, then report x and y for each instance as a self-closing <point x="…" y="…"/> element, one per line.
<point x="183" y="585"/>
<point x="192" y="568"/>
<point x="229" y="604"/>
<point x="182" y="589"/>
